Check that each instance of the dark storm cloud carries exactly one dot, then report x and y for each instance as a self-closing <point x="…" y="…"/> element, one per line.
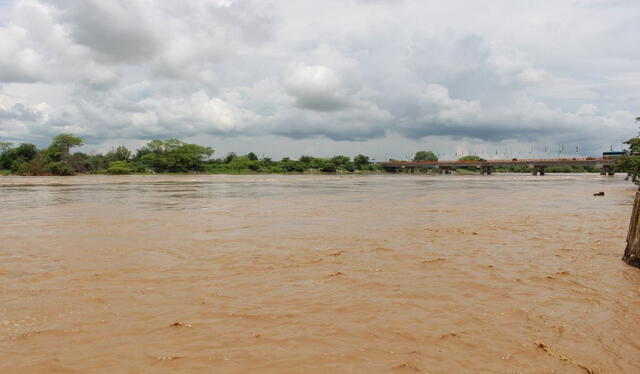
<point x="116" y="30"/>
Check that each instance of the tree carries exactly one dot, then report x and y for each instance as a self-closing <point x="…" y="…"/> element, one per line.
<point x="340" y="160"/>
<point x="16" y="159"/>
<point x="230" y="156"/>
<point x="174" y="156"/>
<point x="65" y="142"/>
<point x="361" y="162"/>
<point x="5" y="147"/>
<point x="5" y="159"/>
<point x="630" y="162"/>
<point x="25" y="151"/>
<point x="120" y="153"/>
<point x="470" y="158"/>
<point x="287" y="165"/>
<point x="305" y="159"/>
<point x="425" y="156"/>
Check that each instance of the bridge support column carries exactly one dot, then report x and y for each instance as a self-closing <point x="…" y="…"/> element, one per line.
<point x="445" y="169"/>
<point x="607" y="170"/>
<point x="537" y="169"/>
<point x="486" y="170"/>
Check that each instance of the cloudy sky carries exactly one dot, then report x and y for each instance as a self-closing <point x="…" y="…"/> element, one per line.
<point x="283" y="78"/>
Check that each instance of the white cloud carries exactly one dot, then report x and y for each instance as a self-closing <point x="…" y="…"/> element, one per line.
<point x="18" y="62"/>
<point x="316" y="87"/>
<point x="367" y="71"/>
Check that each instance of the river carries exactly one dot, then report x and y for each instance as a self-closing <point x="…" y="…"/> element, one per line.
<point x="317" y="274"/>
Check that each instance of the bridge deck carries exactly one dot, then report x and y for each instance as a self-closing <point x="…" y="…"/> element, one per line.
<point x="513" y="162"/>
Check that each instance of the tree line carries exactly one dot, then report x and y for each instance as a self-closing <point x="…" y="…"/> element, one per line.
<point x="159" y="156"/>
<point x="176" y="156"/>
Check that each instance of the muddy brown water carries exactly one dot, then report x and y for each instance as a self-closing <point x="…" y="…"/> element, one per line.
<point x="317" y="274"/>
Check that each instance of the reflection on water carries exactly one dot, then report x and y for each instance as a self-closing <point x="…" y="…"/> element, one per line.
<point x="308" y="273"/>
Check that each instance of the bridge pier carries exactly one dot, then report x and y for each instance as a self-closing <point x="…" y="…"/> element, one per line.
<point x="445" y="169"/>
<point x="607" y="170"/>
<point x="486" y="170"/>
<point x="537" y="169"/>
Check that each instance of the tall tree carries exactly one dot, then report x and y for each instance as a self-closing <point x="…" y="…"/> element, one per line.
<point x="65" y="142"/>
<point x="630" y="162"/>
<point x="361" y="162"/>
<point x="121" y="153"/>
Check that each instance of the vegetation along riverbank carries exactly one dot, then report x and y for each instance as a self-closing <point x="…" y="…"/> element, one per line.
<point x="176" y="156"/>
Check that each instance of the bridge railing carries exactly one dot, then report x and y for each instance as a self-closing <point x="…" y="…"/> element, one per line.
<point x="513" y="160"/>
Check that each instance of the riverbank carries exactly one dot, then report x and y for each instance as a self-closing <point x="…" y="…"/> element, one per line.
<point x="559" y="170"/>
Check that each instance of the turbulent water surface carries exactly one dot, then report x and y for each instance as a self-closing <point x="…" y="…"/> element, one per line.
<point x="317" y="274"/>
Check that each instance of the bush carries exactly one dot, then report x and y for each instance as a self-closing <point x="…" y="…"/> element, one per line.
<point x="119" y="168"/>
<point x="60" y="168"/>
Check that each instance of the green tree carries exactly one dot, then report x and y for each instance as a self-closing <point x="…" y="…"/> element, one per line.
<point x="16" y="159"/>
<point x="252" y="156"/>
<point x="361" y="162"/>
<point x="174" y="156"/>
<point x="230" y="156"/>
<point x="306" y="159"/>
<point x="25" y="151"/>
<point x="65" y="142"/>
<point x="291" y="166"/>
<point x="340" y="160"/>
<point x="425" y="156"/>
<point x="470" y="158"/>
<point x="630" y="162"/>
<point x="5" y="159"/>
<point x="56" y="159"/>
<point x="5" y="147"/>
<point x="120" y="153"/>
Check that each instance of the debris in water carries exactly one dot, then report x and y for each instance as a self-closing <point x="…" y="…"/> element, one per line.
<point x="407" y="366"/>
<point x="560" y="356"/>
<point x="541" y="345"/>
<point x="601" y="193"/>
<point x="180" y="324"/>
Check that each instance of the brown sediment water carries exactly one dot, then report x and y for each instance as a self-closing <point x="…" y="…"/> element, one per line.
<point x="317" y="274"/>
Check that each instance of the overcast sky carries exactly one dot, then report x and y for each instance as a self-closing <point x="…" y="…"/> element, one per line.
<point x="283" y="78"/>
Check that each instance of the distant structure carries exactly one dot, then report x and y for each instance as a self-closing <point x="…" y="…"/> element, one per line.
<point x="606" y="164"/>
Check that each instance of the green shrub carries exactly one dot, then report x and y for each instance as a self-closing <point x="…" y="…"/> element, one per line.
<point x="119" y="168"/>
<point x="59" y="168"/>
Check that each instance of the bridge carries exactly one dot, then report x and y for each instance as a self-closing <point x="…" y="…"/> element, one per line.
<point x="537" y="166"/>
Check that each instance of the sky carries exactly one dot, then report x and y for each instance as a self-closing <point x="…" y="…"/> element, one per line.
<point x="386" y="78"/>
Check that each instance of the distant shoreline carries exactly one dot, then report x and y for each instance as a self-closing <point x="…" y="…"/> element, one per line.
<point x="3" y="173"/>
